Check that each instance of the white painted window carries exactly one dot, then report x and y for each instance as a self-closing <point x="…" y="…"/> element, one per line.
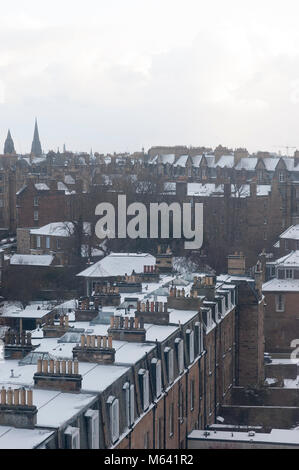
<point x="113" y="404"/>
<point x="169" y="364"/>
<point x="157" y="374"/>
<point x="144" y="385"/>
<point x="38" y="241"/>
<point x="126" y="389"/>
<point x="93" y="420"/>
<point x="191" y="346"/>
<point x="35" y="215"/>
<point x="132" y="404"/>
<point x="180" y="354"/>
<point x="72" y="435"/>
<point x="48" y="242"/>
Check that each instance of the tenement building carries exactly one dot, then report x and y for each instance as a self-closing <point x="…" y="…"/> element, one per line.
<point x="141" y="361"/>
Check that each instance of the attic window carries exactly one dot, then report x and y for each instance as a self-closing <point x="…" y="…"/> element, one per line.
<point x="144" y="387"/>
<point x="113" y="405"/>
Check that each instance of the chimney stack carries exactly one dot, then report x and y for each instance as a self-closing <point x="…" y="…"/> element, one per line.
<point x="127" y="329"/>
<point x="17" y="345"/>
<point x="98" y="349"/>
<point x="236" y="264"/>
<point x="17" y="409"/>
<point x="58" y="375"/>
<point x="151" y="312"/>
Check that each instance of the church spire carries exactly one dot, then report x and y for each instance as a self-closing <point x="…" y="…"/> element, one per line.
<point x="9" y="148"/>
<point x="36" y="148"/>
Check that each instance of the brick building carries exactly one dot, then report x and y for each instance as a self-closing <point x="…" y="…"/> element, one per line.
<point x="164" y="364"/>
<point x="281" y="299"/>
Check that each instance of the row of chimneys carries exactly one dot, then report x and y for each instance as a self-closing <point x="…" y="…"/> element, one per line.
<point x="150" y="269"/>
<point x="130" y="279"/>
<point x="96" y="342"/>
<point x="147" y="306"/>
<point x="16" y="397"/>
<point x="63" y="321"/>
<point x="126" y="323"/>
<point x="57" y="367"/>
<point x="12" y="338"/>
<point x="204" y="281"/>
<point x="174" y="292"/>
<point x="107" y="290"/>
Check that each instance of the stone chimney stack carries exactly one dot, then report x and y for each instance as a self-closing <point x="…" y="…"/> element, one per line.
<point x="236" y="264"/>
<point x="127" y="329"/>
<point x="58" y="375"/>
<point x="152" y="312"/>
<point x="98" y="349"/>
<point x="56" y="331"/>
<point x="205" y="287"/>
<point x="17" y="409"/>
<point x="17" y="345"/>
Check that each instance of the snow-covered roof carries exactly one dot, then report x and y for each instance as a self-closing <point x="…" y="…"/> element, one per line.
<point x="210" y="189"/>
<point x="68" y="179"/>
<point x="41" y="187"/>
<point x="170" y="187"/>
<point x="196" y="160"/>
<point x="182" y="160"/>
<point x="289" y="260"/>
<point x="199" y="189"/>
<point x="61" y="186"/>
<point x="31" y="311"/>
<point x="283" y="285"/>
<point x="119" y="264"/>
<point x="59" y="229"/>
<point x="226" y="161"/>
<point x="276" y="436"/>
<point x="167" y="159"/>
<point x="271" y="163"/>
<point x="292" y="233"/>
<point x="14" y="438"/>
<point x="31" y="260"/>
<point x="247" y="163"/>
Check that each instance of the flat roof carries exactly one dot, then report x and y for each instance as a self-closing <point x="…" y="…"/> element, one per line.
<point x="276" y="436"/>
<point x="14" y="438"/>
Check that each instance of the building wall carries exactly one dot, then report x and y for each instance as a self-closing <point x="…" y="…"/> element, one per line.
<point x="280" y="327"/>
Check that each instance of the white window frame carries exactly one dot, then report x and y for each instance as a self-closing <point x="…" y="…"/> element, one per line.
<point x="157" y="373"/>
<point x="93" y="417"/>
<point x="73" y="434"/>
<point x="48" y="243"/>
<point x="170" y="364"/>
<point x="36" y="216"/>
<point x="113" y="404"/>
<point x="38" y="241"/>
<point x="144" y="374"/>
<point x="132" y="404"/>
<point x="180" y="354"/>
<point x="126" y="389"/>
<point x="191" y="346"/>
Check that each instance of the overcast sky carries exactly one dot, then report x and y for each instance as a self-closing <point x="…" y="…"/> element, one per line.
<point x="119" y="75"/>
